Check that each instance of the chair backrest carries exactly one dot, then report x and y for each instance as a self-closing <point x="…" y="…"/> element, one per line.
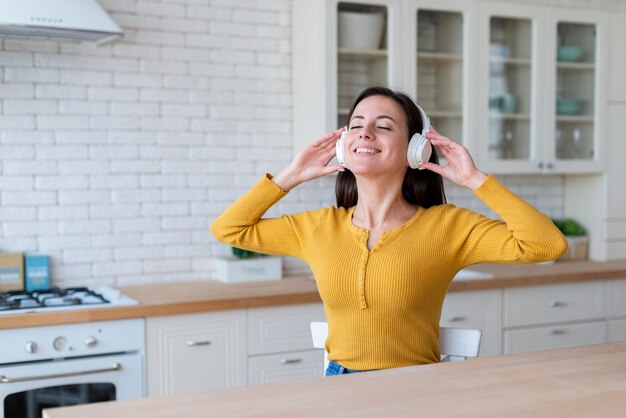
<point x="454" y="343"/>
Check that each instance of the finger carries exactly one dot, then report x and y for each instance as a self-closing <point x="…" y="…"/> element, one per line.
<point x="444" y="149"/>
<point x="332" y="169"/>
<point x="435" y="168"/>
<point x="329" y="137"/>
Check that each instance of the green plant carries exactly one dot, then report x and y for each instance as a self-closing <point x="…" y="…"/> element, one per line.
<point x="570" y="227"/>
<point x="240" y="253"/>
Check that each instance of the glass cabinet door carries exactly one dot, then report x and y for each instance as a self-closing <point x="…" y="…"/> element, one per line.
<point x="440" y="69"/>
<point x="510" y="89"/>
<point x="362" y="53"/>
<point x="575" y="91"/>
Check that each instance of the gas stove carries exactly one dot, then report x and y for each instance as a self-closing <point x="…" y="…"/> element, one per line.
<point x="56" y="299"/>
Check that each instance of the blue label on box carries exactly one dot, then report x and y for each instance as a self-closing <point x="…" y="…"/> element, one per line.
<point x="37" y="271"/>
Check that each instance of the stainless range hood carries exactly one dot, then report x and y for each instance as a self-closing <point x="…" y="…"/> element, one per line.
<point x="58" y="20"/>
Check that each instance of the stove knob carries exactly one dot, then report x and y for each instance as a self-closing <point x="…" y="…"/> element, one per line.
<point x="90" y="342"/>
<point x="30" y="347"/>
<point x="59" y="343"/>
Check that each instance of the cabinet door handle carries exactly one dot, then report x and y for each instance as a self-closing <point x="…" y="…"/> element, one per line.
<point x="558" y="332"/>
<point x="290" y="360"/>
<point x="457" y="318"/>
<point x="191" y="343"/>
<point x="557" y="303"/>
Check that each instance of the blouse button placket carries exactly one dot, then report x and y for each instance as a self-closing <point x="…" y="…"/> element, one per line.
<point x="363" y="269"/>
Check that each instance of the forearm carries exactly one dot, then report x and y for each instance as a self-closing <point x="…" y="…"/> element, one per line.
<point x="232" y="226"/>
<point x="534" y="235"/>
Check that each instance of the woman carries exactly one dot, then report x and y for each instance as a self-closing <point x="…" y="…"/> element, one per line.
<point x="383" y="259"/>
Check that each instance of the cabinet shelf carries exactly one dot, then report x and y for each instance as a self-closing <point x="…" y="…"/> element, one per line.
<point x="510" y="116"/>
<point x="363" y="53"/>
<point x="576" y="65"/>
<point x="509" y="60"/>
<point x="445" y="114"/>
<point x="439" y="56"/>
<point x="574" y="119"/>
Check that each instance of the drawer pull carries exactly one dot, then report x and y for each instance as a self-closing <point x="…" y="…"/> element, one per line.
<point x="456" y="318"/>
<point x="191" y="343"/>
<point x="558" y="332"/>
<point x="557" y="303"/>
<point x="290" y="360"/>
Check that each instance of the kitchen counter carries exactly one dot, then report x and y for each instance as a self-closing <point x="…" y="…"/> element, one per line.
<point x="212" y="295"/>
<point x="580" y="381"/>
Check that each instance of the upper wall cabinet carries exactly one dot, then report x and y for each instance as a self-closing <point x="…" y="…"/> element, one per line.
<point x="522" y="86"/>
<point x="339" y="48"/>
<point x="543" y="89"/>
<point x="438" y="69"/>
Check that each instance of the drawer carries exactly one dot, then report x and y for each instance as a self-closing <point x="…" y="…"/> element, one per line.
<point x="479" y="310"/>
<point x="616" y="293"/>
<point x="558" y="336"/>
<point x="281" y="329"/>
<point x="617" y="330"/>
<point x="552" y="304"/>
<point x="285" y="367"/>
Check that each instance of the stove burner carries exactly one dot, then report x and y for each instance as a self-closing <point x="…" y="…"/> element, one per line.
<point x="54" y="297"/>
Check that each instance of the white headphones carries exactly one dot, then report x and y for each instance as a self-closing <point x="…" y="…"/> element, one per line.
<point x="417" y="153"/>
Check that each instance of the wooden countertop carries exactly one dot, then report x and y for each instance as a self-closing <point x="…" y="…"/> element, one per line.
<point x="581" y="381"/>
<point x="211" y="295"/>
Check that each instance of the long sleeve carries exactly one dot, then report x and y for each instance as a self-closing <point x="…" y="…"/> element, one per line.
<point x="525" y="235"/>
<point x="241" y="224"/>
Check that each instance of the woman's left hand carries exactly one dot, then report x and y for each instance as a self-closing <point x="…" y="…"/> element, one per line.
<point x="460" y="168"/>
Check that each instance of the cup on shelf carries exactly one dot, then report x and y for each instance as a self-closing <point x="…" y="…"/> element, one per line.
<point x="505" y="103"/>
<point x="508" y="103"/>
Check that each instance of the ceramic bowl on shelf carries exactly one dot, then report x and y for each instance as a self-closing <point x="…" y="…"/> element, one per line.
<point x="360" y="30"/>
<point x="569" y="106"/>
<point x="569" y="53"/>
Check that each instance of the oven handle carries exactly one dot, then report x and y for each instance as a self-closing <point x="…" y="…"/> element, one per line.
<point x="4" y="379"/>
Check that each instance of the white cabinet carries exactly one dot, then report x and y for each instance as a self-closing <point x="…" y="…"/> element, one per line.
<point x="523" y="86"/>
<point x="283" y="367"/>
<point x="204" y="351"/>
<point x="279" y="343"/>
<point x="545" y="71"/>
<point x="538" y="305"/>
<point x="557" y="336"/>
<point x="479" y="310"/>
<point x="616" y="306"/>
<point x="196" y="352"/>
<point x="554" y="316"/>
<point x="617" y="58"/>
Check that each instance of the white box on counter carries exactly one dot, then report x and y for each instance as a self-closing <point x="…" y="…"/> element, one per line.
<point x="240" y="270"/>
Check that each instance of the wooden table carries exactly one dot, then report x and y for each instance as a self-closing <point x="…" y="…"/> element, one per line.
<point x="585" y="381"/>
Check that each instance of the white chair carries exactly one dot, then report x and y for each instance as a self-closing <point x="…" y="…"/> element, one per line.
<point x="454" y="343"/>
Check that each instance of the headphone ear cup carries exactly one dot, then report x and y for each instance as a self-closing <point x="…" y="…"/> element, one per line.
<point x="419" y="150"/>
<point x="339" y="149"/>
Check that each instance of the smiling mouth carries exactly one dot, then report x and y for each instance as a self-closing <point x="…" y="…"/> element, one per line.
<point x="366" y="151"/>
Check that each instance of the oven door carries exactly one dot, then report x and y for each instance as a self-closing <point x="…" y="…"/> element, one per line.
<point x="26" y="389"/>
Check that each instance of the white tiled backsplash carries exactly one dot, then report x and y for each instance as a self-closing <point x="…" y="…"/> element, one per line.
<point x="114" y="160"/>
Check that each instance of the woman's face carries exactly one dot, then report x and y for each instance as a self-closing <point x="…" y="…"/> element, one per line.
<point x="377" y="139"/>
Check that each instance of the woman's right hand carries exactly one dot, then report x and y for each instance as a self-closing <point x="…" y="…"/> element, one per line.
<point x="311" y="162"/>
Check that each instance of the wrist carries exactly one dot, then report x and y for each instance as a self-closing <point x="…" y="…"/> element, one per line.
<point x="475" y="180"/>
<point x="286" y="180"/>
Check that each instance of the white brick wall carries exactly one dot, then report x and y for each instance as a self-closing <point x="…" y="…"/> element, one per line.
<point x="114" y="160"/>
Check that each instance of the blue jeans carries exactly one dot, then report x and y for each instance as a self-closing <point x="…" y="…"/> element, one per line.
<point x="334" y="369"/>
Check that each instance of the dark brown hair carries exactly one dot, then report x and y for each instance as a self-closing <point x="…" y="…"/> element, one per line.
<point x="420" y="187"/>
